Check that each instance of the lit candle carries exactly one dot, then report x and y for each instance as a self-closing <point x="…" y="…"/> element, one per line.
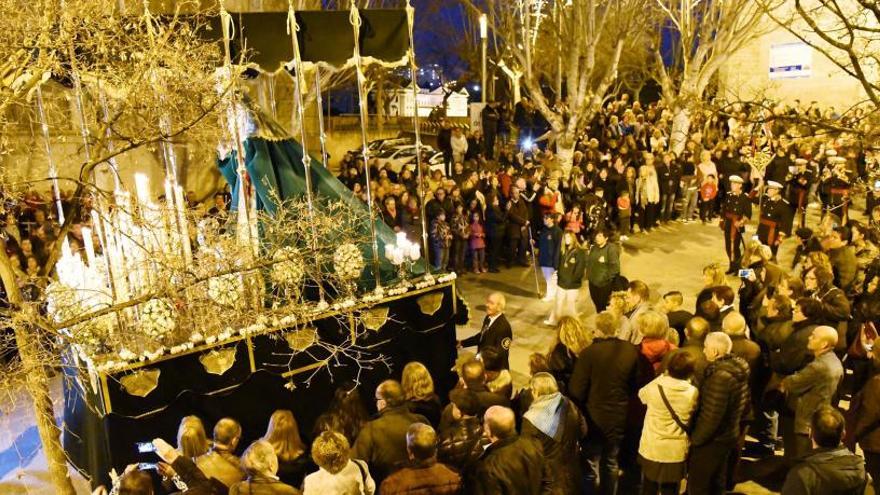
<point x="401" y="238"/>
<point x="415" y="252"/>
<point x="142" y="186"/>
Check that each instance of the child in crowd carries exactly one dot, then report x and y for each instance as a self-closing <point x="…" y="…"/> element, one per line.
<point x="441" y="240"/>
<point x="478" y="244"/>
<point x="624" y="212"/>
<point x="708" y="192"/>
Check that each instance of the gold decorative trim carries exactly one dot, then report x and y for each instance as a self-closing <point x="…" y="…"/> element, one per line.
<point x="431" y="303"/>
<point x="140" y="383"/>
<point x="218" y="362"/>
<point x="202" y="348"/>
<point x="375" y="318"/>
<point x="301" y="339"/>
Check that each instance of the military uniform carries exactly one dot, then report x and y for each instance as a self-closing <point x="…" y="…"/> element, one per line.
<point x="776" y="219"/>
<point x="799" y="192"/>
<point x="838" y="190"/>
<point x="735" y="212"/>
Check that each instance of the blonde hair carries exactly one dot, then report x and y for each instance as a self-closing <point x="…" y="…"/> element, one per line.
<point x="573" y="335"/>
<point x="192" y="441"/>
<point x="260" y="458"/>
<point x="330" y="451"/>
<point x="283" y="435"/>
<point x="818" y="259"/>
<point x="652" y="324"/>
<point x="716" y="271"/>
<point x="417" y="382"/>
<point x="563" y="248"/>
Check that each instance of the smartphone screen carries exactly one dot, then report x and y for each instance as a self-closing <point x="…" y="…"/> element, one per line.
<point x="147" y="466"/>
<point x="144" y="447"/>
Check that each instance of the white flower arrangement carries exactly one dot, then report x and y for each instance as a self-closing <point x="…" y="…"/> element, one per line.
<point x="348" y="262"/>
<point x="225" y="290"/>
<point x="158" y="318"/>
<point x="289" y="267"/>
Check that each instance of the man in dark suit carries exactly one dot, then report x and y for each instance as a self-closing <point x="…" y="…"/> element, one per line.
<point x="495" y="331"/>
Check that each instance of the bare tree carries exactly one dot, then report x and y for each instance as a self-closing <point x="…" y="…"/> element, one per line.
<point x="576" y="46"/>
<point x="704" y="34"/>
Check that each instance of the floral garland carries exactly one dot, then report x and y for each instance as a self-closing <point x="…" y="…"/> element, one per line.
<point x="348" y="262"/>
<point x="225" y="290"/>
<point x="289" y="267"/>
<point x="158" y="318"/>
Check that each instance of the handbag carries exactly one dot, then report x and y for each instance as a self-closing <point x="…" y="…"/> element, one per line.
<point x="863" y="345"/>
<point x="684" y="427"/>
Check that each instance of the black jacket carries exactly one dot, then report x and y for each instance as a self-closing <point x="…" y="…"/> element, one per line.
<point x="603" y="381"/>
<point x="196" y="481"/>
<point x="561" y="365"/>
<point x="560" y="450"/>
<point x="382" y="441"/>
<point x="724" y="395"/>
<point x="460" y="444"/>
<point x="827" y="472"/>
<point x="793" y="355"/>
<point x="498" y="335"/>
<point x="513" y="466"/>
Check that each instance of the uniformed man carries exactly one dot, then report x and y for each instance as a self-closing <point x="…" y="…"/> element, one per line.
<point x="776" y="217"/>
<point x="799" y="190"/>
<point x="495" y="332"/>
<point x="838" y="186"/>
<point x="735" y="213"/>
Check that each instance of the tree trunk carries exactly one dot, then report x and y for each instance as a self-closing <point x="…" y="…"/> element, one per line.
<point x="37" y="384"/>
<point x="565" y="151"/>
<point x="681" y="125"/>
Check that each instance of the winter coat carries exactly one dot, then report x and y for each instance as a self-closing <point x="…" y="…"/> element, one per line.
<point x="262" y="485"/>
<point x="845" y="266"/>
<point x="724" y="394"/>
<point x="774" y="332"/>
<point x="517" y="216"/>
<point x="382" y="441"/>
<point x="865" y="408"/>
<point x="648" y="189"/>
<point x="824" y="471"/>
<point x="426" y="477"/>
<point x="793" y="355"/>
<point x="478" y="236"/>
<point x="662" y="439"/>
<point x="603" y="264"/>
<point x="496" y="222"/>
<point x="429" y="408"/>
<point x="748" y="350"/>
<point x="221" y="465"/>
<point x="812" y="387"/>
<point x="836" y="312"/>
<point x="441" y="234"/>
<point x="571" y="268"/>
<point x="561" y="365"/>
<point x="548" y="246"/>
<point x="195" y="479"/>
<point x="603" y="381"/>
<point x="513" y="466"/>
<point x="560" y="446"/>
<point x="353" y="479"/>
<point x="654" y="351"/>
<point x="461" y="443"/>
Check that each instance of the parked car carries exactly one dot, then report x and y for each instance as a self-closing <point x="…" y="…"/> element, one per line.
<point x="405" y="156"/>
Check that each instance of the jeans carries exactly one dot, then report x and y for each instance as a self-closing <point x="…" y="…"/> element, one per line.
<point x="602" y="467"/>
<point x="690" y="204"/>
<point x="494" y="245"/>
<point x="667" y="204"/>
<point x="458" y="251"/>
<point x="765" y="428"/>
<point x="624" y="225"/>
<point x="441" y="258"/>
<point x="548" y="272"/>
<point x="564" y="305"/>
<point x="600" y="296"/>
<point x="795" y="444"/>
<point x="479" y="259"/>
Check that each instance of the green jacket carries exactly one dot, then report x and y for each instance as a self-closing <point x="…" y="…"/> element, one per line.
<point x="603" y="264"/>
<point x="572" y="266"/>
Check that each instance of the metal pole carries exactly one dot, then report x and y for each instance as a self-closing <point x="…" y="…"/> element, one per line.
<point x="410" y="14"/>
<point x="485" y="41"/>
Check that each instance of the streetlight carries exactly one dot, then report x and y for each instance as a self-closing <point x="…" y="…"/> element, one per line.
<point x="484" y="36"/>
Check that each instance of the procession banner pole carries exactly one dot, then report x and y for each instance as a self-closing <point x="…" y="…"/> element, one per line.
<point x="410" y="17"/>
<point x="355" y="19"/>
<point x="298" y="85"/>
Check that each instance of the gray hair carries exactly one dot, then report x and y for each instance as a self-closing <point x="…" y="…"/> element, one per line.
<point x="543" y="383"/>
<point x="720" y="342"/>
<point x="260" y="458"/>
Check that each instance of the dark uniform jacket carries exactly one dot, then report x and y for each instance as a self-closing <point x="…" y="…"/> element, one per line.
<point x="736" y="206"/>
<point x="513" y="466"/>
<point x="776" y="218"/>
<point x="603" y="381"/>
<point x="498" y="335"/>
<point x="571" y="269"/>
<point x="548" y="246"/>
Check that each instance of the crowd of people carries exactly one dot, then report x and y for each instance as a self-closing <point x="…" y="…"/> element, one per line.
<point x="648" y="396"/>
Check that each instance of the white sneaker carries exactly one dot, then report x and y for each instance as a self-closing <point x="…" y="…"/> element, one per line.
<point x="546" y="299"/>
<point x="624" y="238"/>
<point x="549" y="322"/>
